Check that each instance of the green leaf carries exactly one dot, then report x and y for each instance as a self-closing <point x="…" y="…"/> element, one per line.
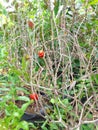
<point x="44" y="124"/>
<point x="93" y="2"/>
<point x="23" y="98"/>
<point x="23" y="63"/>
<point x="94" y="77"/>
<point x="24" y="107"/>
<point x="52" y="100"/>
<point x="22" y="125"/>
<point x="32" y="126"/>
<point x="22" y="89"/>
<point x="53" y="126"/>
<point x="65" y="101"/>
<point x="56" y="9"/>
<point x="4" y="89"/>
<point x="4" y="11"/>
<point x="16" y="114"/>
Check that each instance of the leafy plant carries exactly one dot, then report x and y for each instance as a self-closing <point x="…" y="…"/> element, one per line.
<point x="49" y="48"/>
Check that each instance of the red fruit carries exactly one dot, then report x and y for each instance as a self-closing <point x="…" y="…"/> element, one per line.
<point x="30" y="24"/>
<point x="33" y="96"/>
<point x="41" y="53"/>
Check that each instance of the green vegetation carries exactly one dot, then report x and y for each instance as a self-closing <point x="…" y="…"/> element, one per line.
<point x="49" y="46"/>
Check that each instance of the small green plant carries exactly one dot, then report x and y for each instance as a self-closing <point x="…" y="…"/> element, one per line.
<point x="87" y="127"/>
<point x="12" y="119"/>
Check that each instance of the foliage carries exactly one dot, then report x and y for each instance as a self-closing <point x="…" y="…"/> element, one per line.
<point x="67" y="72"/>
<point x="13" y="115"/>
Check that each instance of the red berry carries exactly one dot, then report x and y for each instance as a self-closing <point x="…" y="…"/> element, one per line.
<point x="41" y="53"/>
<point x="33" y="96"/>
<point x="30" y="24"/>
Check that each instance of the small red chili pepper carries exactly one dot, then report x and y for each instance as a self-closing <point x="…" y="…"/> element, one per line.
<point x="33" y="96"/>
<point x="30" y="24"/>
<point x="41" y="53"/>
